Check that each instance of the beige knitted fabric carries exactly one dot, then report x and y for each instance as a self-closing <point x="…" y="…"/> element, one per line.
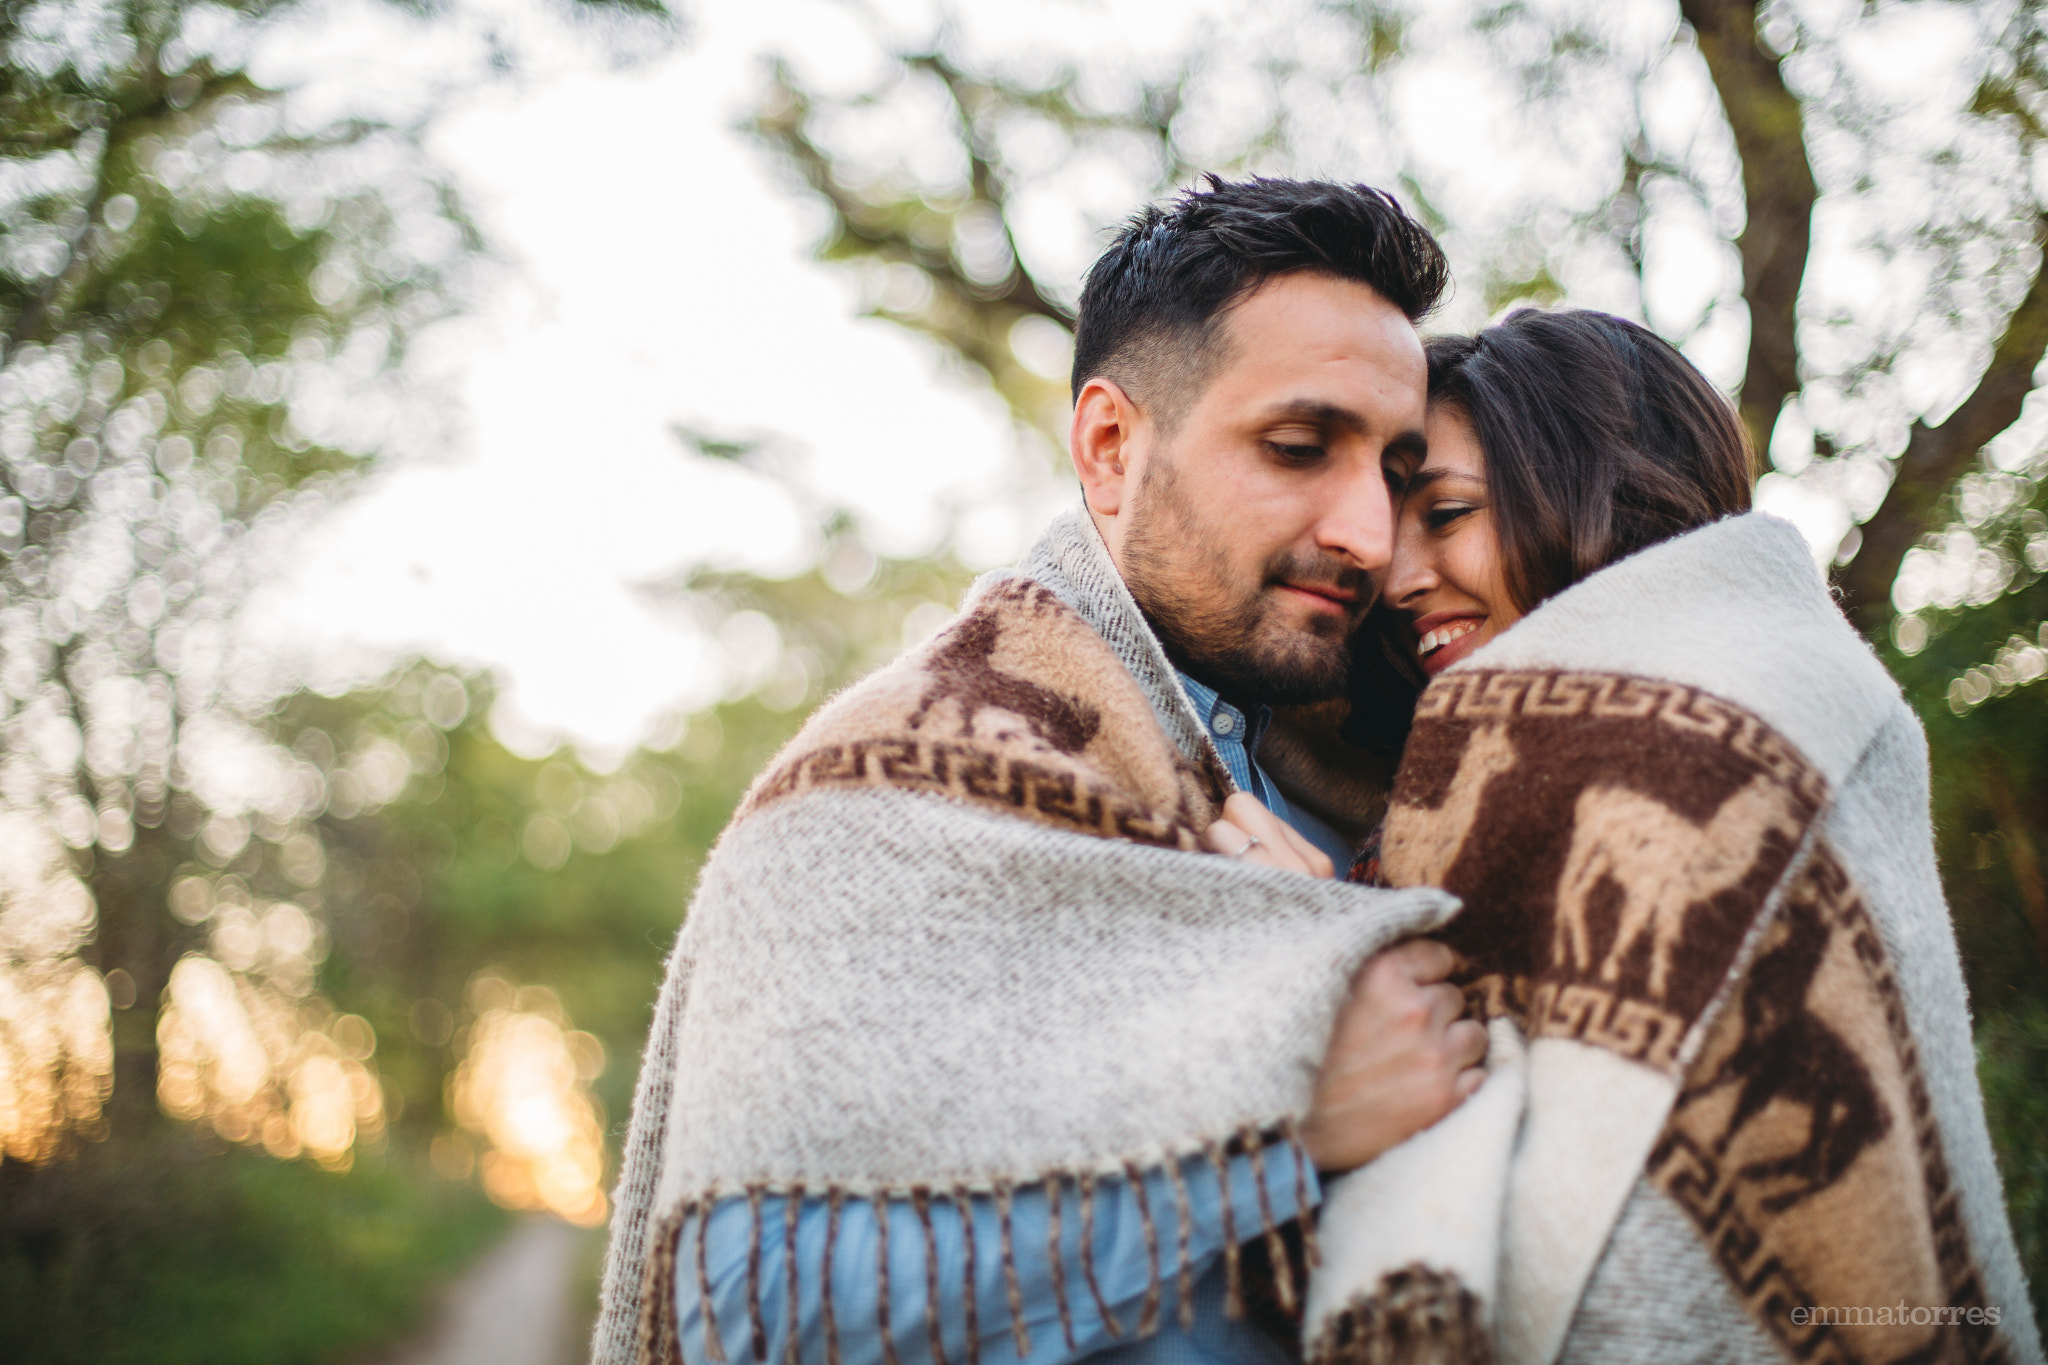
<point x="1687" y="810"/>
<point x="955" y="941"/>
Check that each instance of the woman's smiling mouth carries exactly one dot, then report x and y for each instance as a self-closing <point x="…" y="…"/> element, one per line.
<point x="1443" y="639"/>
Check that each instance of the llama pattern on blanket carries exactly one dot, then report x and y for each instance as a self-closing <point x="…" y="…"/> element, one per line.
<point x="1669" y="899"/>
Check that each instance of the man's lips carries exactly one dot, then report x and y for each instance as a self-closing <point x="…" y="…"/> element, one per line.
<point x="1338" y="599"/>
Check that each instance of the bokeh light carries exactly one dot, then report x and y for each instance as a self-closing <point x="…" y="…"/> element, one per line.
<point x="56" y="1051"/>
<point x="240" y="1053"/>
<point x="523" y="1089"/>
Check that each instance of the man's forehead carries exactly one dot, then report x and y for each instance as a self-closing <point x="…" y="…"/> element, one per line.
<point x="1323" y="349"/>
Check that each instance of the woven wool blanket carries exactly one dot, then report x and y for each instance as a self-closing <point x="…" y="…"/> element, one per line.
<point x="1732" y="1112"/>
<point x="958" y="940"/>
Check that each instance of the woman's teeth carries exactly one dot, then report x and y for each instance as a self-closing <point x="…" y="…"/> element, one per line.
<point x="1443" y="635"/>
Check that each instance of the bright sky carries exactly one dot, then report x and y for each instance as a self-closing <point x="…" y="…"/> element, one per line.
<point x="663" y="279"/>
<point x="659" y="274"/>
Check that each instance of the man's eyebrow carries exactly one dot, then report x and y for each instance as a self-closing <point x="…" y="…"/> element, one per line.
<point x="1317" y="412"/>
<point x="1409" y="442"/>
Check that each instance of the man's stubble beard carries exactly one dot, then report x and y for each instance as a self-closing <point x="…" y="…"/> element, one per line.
<point x="1226" y="632"/>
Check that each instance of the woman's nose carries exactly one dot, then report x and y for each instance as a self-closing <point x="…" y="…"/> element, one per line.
<point x="1410" y="576"/>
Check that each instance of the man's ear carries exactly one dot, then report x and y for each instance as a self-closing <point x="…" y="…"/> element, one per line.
<point x="1105" y="446"/>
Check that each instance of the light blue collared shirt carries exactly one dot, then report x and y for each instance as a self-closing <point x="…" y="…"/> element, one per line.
<point x="1236" y="737"/>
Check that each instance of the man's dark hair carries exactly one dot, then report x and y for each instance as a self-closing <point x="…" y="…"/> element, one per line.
<point x="1599" y="437"/>
<point x="1152" y="306"/>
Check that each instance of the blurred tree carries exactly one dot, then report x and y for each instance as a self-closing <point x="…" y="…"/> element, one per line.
<point x="206" y="291"/>
<point x="196" y="295"/>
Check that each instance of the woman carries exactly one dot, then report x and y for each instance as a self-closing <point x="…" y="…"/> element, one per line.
<point x="1733" y="1110"/>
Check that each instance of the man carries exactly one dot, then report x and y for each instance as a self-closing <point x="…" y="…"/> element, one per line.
<point x="967" y="1045"/>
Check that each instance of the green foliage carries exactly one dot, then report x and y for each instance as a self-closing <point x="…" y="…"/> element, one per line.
<point x="2012" y="1047"/>
<point x="167" y="1253"/>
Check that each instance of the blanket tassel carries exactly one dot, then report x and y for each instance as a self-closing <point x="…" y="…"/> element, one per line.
<point x="714" y="1343"/>
<point x="657" y="1331"/>
<point x="1012" y="1289"/>
<point x="921" y="1202"/>
<point x="1311" y="1249"/>
<point x="969" y="1309"/>
<point x="1148" y="1314"/>
<point x="790" y="1199"/>
<point x="754" y="1319"/>
<point x="832" y="1205"/>
<point x="1233" y="1273"/>
<point x="881" y="1204"/>
<point x="1184" y="1273"/>
<point x="1088" y="1256"/>
<point x="1276" y="1246"/>
<point x="1053" y="1199"/>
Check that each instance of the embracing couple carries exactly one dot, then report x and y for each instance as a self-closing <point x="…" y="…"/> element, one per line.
<point x="1412" y="869"/>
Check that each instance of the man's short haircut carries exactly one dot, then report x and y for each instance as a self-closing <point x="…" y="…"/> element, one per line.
<point x="1153" y="305"/>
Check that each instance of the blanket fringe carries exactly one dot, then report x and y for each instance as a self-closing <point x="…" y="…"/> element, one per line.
<point x="754" y="1318"/>
<point x="714" y="1343"/>
<point x="1148" y="1312"/>
<point x="790" y="1200"/>
<point x="1053" y="1200"/>
<point x="1233" y="1272"/>
<point x="834" y="1201"/>
<point x="1012" y="1289"/>
<point x="1116" y="1328"/>
<point x="882" y="1280"/>
<point x="970" y="1310"/>
<point x="1184" y="1270"/>
<point x="921" y="1204"/>
<point x="1276" y="1245"/>
<point x="657" y="1327"/>
<point x="1311" y="1249"/>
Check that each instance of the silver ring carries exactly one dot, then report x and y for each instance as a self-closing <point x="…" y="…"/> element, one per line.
<point x="1251" y="841"/>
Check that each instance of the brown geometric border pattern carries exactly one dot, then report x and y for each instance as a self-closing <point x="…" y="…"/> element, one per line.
<point x="1636" y="1029"/>
<point x="1614" y="839"/>
<point x="975" y="773"/>
<point x="1484" y="696"/>
<point x="1805" y="1149"/>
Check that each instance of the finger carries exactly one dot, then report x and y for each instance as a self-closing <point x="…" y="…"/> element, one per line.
<point x="1465" y="1041"/>
<point x="1446" y="1003"/>
<point x="1425" y="959"/>
<point x="1226" y="838"/>
<point x="1234" y="841"/>
<point x="1317" y="861"/>
<point x="1246" y="812"/>
<point x="1468" y="1082"/>
<point x="1251" y="813"/>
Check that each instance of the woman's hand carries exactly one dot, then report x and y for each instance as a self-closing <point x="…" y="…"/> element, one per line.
<point x="1402" y="1056"/>
<point x="1251" y="832"/>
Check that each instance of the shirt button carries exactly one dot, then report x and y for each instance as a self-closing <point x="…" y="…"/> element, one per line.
<point x="1224" y="723"/>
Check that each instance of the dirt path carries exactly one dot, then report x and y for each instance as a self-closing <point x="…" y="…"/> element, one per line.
<point x="514" y="1307"/>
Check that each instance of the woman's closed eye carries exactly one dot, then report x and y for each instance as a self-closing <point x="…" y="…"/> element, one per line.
<point x="1445" y="515"/>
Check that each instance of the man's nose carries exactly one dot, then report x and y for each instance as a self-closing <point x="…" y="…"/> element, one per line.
<point x="1358" y="522"/>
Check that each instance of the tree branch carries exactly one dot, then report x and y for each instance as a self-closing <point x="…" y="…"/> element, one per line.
<point x="1778" y="188"/>
<point x="2022" y="858"/>
<point x="1936" y="456"/>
